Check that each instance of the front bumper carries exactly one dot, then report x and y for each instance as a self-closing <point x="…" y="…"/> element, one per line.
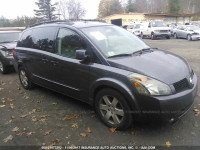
<point x="195" y="37"/>
<point x="7" y="61"/>
<point x="162" y="34"/>
<point x="168" y="108"/>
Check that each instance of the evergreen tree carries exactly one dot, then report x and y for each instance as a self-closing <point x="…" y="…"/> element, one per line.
<point x="130" y="6"/>
<point x="174" y="6"/>
<point x="46" y="10"/>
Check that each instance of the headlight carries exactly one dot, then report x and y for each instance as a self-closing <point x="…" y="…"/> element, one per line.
<point x="148" y="86"/>
<point x="6" y="53"/>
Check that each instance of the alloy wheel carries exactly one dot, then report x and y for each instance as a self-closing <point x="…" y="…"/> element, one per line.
<point x="111" y="110"/>
<point x="23" y="78"/>
<point x="1" y="66"/>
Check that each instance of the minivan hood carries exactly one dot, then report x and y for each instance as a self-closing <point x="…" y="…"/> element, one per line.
<point x="161" y="28"/>
<point x="161" y="65"/>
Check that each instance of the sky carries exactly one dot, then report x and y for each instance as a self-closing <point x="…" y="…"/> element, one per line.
<point x="13" y="8"/>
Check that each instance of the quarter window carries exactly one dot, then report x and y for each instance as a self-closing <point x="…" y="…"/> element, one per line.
<point x="68" y="42"/>
<point x="26" y="39"/>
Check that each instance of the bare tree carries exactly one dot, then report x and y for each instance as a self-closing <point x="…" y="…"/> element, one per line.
<point x="71" y="9"/>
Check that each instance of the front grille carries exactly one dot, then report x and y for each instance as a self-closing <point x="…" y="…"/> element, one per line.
<point x="181" y="85"/>
<point x="163" y="31"/>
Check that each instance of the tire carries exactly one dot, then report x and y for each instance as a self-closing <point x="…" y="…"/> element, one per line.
<point x="3" y="68"/>
<point x="153" y="37"/>
<point x="189" y="38"/>
<point x="175" y="36"/>
<point x="25" y="79"/>
<point x="167" y="37"/>
<point x="142" y="35"/>
<point x="111" y="104"/>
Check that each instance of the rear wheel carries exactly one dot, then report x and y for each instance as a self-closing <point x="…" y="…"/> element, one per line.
<point x="25" y="79"/>
<point x="3" y="68"/>
<point x="112" y="109"/>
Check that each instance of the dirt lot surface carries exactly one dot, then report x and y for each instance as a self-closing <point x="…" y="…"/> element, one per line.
<point x="42" y="117"/>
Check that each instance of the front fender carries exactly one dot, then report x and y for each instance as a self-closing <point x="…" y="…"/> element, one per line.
<point x="117" y="85"/>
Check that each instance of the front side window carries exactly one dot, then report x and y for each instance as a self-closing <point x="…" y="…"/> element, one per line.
<point x="68" y="42"/>
<point x="26" y="39"/>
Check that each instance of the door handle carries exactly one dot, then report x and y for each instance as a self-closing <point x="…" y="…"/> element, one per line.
<point x="54" y="62"/>
<point x="45" y="60"/>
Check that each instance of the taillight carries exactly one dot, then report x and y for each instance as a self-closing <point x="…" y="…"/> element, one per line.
<point x="14" y="51"/>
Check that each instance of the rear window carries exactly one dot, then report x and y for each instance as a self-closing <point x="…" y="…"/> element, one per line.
<point x="9" y="37"/>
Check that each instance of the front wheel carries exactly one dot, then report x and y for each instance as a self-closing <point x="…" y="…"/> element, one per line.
<point x="142" y="35"/>
<point x="25" y="79"/>
<point x="113" y="109"/>
<point x="189" y="38"/>
<point x="167" y="37"/>
<point x="153" y="37"/>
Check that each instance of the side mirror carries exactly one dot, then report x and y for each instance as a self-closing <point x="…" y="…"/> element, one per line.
<point x="81" y="55"/>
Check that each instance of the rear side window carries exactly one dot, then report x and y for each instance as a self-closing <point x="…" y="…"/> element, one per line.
<point x="26" y="39"/>
<point x="44" y="38"/>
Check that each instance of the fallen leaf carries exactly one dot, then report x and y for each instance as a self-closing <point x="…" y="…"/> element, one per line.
<point x="8" y="122"/>
<point x="27" y="97"/>
<point x="168" y="144"/>
<point x="112" y="130"/>
<point x="12" y="117"/>
<point x="10" y="99"/>
<point x="83" y="134"/>
<point x="43" y="116"/>
<point x="39" y="101"/>
<point x="197" y="114"/>
<point x="34" y="119"/>
<point x="32" y="111"/>
<point x="23" y="116"/>
<point x="94" y="116"/>
<point x="196" y="110"/>
<point x="42" y="120"/>
<point x="198" y="94"/>
<point x="89" y="130"/>
<point x="68" y="118"/>
<point x="15" y="129"/>
<point x="133" y="132"/>
<point x="1" y="89"/>
<point x="77" y="116"/>
<point x="54" y="103"/>
<point x="47" y="133"/>
<point x="20" y="134"/>
<point x="9" y="138"/>
<point x="29" y="133"/>
<point x="75" y="125"/>
<point x="1" y="106"/>
<point x="11" y="106"/>
<point x="55" y="142"/>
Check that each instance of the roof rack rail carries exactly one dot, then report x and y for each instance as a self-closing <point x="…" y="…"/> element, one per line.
<point x="48" y="22"/>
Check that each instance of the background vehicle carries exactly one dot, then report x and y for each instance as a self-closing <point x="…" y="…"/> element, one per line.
<point x="108" y="68"/>
<point x="189" y="32"/>
<point x="134" y="28"/>
<point x="8" y="41"/>
<point x="155" y="29"/>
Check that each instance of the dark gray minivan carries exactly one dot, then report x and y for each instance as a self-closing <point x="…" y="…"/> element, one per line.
<point x="108" y="68"/>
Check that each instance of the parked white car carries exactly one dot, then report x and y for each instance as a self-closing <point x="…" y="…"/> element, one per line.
<point x="134" y="28"/>
<point x="154" y="29"/>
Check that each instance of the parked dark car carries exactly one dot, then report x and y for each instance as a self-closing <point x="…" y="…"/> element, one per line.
<point x="8" y="41"/>
<point x="108" y="68"/>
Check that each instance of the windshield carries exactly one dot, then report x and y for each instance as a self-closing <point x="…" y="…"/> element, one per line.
<point x="158" y="24"/>
<point x="193" y="28"/>
<point x="112" y="40"/>
<point x="9" y="37"/>
<point x="137" y="26"/>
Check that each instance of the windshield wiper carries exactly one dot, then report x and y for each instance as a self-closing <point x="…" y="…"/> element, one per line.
<point x="120" y="55"/>
<point x="3" y="46"/>
<point x="140" y="52"/>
